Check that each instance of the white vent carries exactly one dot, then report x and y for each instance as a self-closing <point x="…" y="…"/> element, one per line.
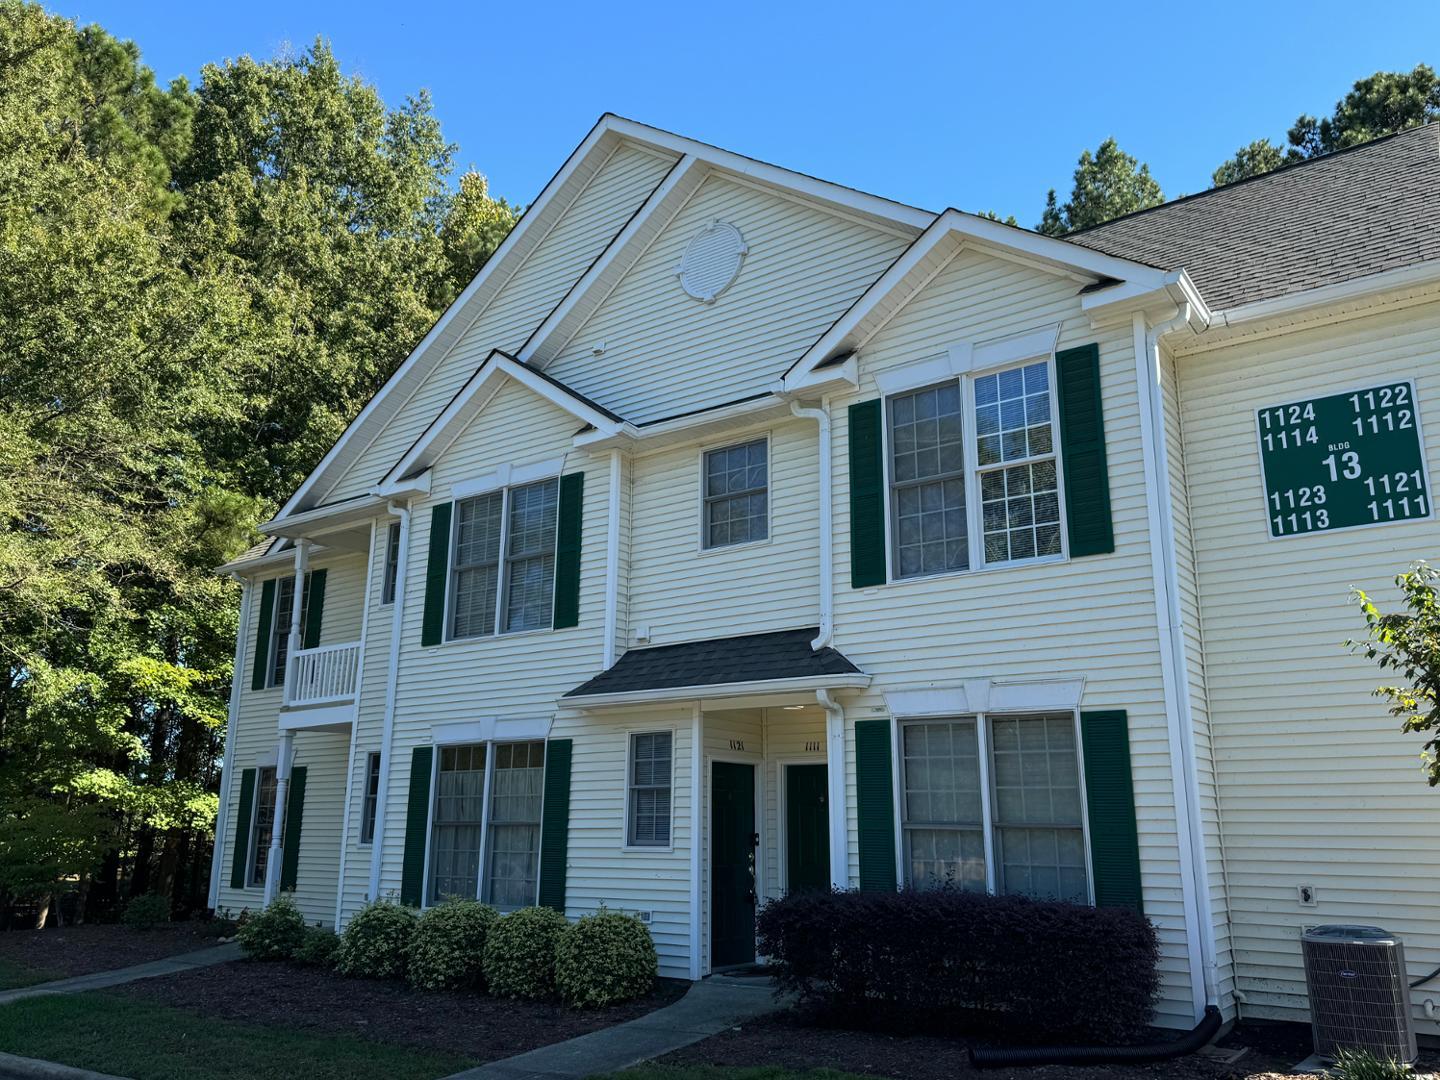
<point x="711" y="262"/>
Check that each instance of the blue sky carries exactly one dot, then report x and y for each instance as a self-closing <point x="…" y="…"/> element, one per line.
<point x="980" y="107"/>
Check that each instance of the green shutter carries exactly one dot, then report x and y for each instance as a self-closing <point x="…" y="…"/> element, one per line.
<point x="437" y="576"/>
<point x="241" y="854"/>
<point x="567" y="551"/>
<point x="262" y="636"/>
<point x="555" y="824"/>
<point x="1082" y="448"/>
<point x="867" y="494"/>
<point x="417" y="819"/>
<point x="1110" y="802"/>
<point x="875" y="805"/>
<point x="294" y="810"/>
<point x="314" y="609"/>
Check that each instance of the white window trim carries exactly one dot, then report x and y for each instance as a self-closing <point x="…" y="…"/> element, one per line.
<point x="552" y="473"/>
<point x="982" y="718"/>
<point x="629" y="735"/>
<point x="744" y="440"/>
<point x="967" y="357"/>
<point x="975" y="529"/>
<point x="379" y="761"/>
<point x="253" y="834"/>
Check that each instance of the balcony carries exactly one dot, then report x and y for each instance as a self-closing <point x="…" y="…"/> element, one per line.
<point x="326" y="675"/>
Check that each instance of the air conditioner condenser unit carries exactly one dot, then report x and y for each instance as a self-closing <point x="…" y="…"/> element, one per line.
<point x="1359" y="991"/>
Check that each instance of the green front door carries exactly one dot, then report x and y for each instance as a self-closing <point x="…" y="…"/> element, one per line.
<point x="732" y="864"/>
<point x="807" y="828"/>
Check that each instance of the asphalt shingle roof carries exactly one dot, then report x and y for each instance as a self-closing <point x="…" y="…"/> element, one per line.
<point x="785" y="654"/>
<point x="1361" y="211"/>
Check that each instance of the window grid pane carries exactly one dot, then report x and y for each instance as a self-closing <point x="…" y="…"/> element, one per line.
<point x="372" y="799"/>
<point x="392" y="564"/>
<point x="513" y="855"/>
<point x="650" y="771"/>
<point x="736" y="490"/>
<point x="1040" y="841"/>
<point x="264" y="829"/>
<point x="1014" y="437"/>
<point x="530" y="556"/>
<point x="927" y="472"/>
<point x="477" y="569"/>
<point x="280" y="626"/>
<point x="455" y="835"/>
<point x="942" y="809"/>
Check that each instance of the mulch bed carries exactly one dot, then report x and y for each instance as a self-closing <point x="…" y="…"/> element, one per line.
<point x="468" y="1024"/>
<point x="83" y="950"/>
<point x="786" y="1039"/>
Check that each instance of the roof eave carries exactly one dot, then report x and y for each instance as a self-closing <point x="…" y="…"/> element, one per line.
<point x="720" y="691"/>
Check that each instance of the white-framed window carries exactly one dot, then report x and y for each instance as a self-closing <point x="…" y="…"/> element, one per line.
<point x="973" y="472"/>
<point x="280" y="625"/>
<point x="735" y="494"/>
<point x="503" y="563"/>
<point x="392" y="563"/>
<point x="372" y="797"/>
<point x="486" y="814"/>
<point x="262" y="829"/>
<point x="651" y="766"/>
<point x="995" y="803"/>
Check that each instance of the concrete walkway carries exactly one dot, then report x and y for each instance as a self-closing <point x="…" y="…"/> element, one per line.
<point x="216" y="954"/>
<point x="708" y="1008"/>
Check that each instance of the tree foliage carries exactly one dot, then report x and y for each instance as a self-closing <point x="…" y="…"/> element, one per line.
<point x="1107" y="184"/>
<point x="198" y="288"/>
<point x="1380" y="104"/>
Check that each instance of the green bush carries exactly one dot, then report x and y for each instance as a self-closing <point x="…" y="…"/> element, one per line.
<point x="1363" y="1065"/>
<point x="447" y="950"/>
<point x="520" y="953"/>
<point x="605" y="958"/>
<point x="147" y="912"/>
<point x="274" y="933"/>
<point x="317" y="947"/>
<point x="374" y="943"/>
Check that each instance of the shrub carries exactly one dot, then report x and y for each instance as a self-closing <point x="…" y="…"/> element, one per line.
<point x="317" y="947"/>
<point x="604" y="958"/>
<point x="274" y="933"/>
<point x="1000" y="966"/>
<point x="1363" y="1065"/>
<point x="147" y="912"/>
<point x="447" y="950"/>
<point x="520" y="953"/>
<point x="374" y="943"/>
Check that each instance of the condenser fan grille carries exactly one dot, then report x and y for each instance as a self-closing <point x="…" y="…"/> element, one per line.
<point x="1359" y="992"/>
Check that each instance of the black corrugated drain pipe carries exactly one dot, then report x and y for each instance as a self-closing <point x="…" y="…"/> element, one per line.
<point x="999" y="1057"/>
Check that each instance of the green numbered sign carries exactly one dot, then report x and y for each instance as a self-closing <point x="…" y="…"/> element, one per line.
<point x="1343" y="461"/>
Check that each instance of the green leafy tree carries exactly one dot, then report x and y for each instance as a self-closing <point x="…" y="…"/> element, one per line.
<point x="1009" y="219"/>
<point x="1108" y="183"/>
<point x="1260" y="156"/>
<point x="1407" y="643"/>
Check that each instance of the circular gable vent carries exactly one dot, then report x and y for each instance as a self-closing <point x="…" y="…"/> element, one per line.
<point x="711" y="262"/>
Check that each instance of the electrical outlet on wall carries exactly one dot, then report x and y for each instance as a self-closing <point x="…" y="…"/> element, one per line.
<point x="1305" y="894"/>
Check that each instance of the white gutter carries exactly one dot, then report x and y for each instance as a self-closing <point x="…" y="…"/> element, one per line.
<point x="1174" y="663"/>
<point x="612" y="562"/>
<point x="387" y="731"/>
<point x="714" y="691"/>
<point x="827" y="533"/>
<point x="247" y="591"/>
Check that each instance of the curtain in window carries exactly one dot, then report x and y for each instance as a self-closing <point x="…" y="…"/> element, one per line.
<point x="513" y="858"/>
<point x="455" y="834"/>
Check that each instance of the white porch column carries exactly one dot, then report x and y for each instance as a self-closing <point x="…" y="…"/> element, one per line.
<point x="835" y="796"/>
<point x="284" y="755"/>
<point x="297" y="607"/>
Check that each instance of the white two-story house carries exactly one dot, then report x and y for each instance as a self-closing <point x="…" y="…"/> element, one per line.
<point x="736" y="532"/>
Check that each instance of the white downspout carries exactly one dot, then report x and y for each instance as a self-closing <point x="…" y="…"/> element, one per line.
<point x="227" y="769"/>
<point x="612" y="562"/>
<point x="1194" y="871"/>
<point x="392" y="671"/>
<point x="835" y="782"/>
<point x="285" y="753"/>
<point x="827" y="529"/>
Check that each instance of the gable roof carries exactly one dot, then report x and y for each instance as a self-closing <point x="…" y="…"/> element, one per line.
<point x="1362" y="211"/>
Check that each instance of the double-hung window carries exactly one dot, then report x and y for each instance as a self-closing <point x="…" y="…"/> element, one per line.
<point x="280" y="625"/>
<point x="264" y="827"/>
<point x="973" y="472"/>
<point x="488" y="800"/>
<point x="736" y="494"/>
<point x="648" y="799"/>
<point x="503" y="572"/>
<point x="995" y="803"/>
<point x="372" y="798"/>
<point x="392" y="564"/>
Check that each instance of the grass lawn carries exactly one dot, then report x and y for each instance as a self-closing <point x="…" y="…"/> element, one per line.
<point x="720" y="1072"/>
<point x="13" y="974"/>
<point x="150" y="1042"/>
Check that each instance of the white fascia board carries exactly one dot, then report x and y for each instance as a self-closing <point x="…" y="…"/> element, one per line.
<point x="1122" y="300"/>
<point x="714" y="691"/>
<point x="318" y="718"/>
<point x="683" y="428"/>
<point x="321" y="518"/>
<point x="458" y="311"/>
<point x="469" y="403"/>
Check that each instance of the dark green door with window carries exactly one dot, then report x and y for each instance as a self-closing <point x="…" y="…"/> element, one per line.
<point x="807" y="828"/>
<point x="732" y="864"/>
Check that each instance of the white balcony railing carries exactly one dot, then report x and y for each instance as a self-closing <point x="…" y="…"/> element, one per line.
<point x="323" y="676"/>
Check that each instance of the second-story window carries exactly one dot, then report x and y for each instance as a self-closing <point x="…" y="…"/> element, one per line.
<point x="280" y="625"/>
<point x="514" y="592"/>
<point x="736" y="490"/>
<point x="392" y="564"/>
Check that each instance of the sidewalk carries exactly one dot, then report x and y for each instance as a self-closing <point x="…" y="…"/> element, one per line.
<point x="217" y="954"/>
<point x="707" y="1009"/>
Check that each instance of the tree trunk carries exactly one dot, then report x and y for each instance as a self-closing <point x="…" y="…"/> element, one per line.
<point x="82" y="895"/>
<point x="42" y="911"/>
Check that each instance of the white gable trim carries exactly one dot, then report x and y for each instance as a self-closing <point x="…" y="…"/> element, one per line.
<point x="471" y="401"/>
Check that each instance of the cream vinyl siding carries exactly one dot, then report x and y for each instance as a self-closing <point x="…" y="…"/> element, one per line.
<point x="587" y="226"/>
<point x="257" y="734"/>
<point x="1092" y="618"/>
<point x="745" y="589"/>
<point x="1317" y="786"/>
<point x="667" y="353"/>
